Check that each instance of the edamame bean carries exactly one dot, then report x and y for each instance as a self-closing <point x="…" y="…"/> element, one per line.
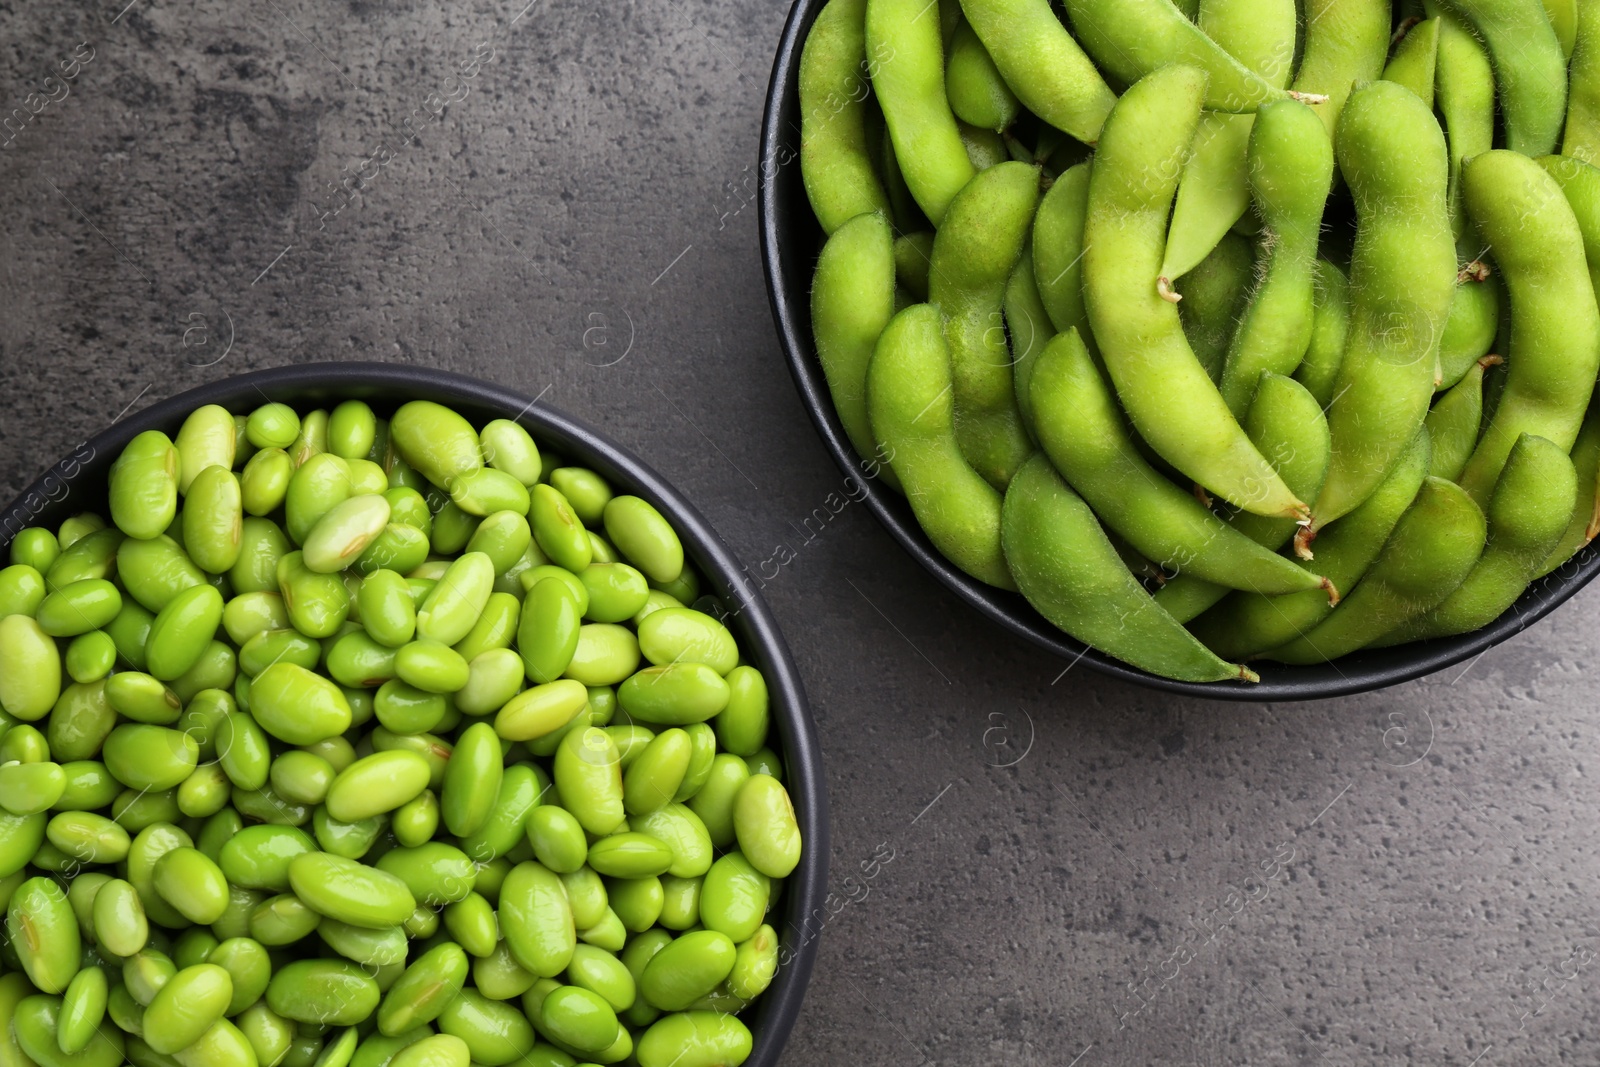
<point x="453" y="606"/>
<point x="1140" y="333"/>
<point x="83" y="1009"/>
<point x="43" y="932"/>
<point x="28" y="788"/>
<point x="22" y="590"/>
<point x="714" y="803"/>
<point x="35" y="1022"/>
<point x="78" y="607"/>
<point x="431" y="981"/>
<point x="471" y="780"/>
<point x="589" y="778"/>
<point x="193" y="884"/>
<point x="272" y="425"/>
<point x="20" y="838"/>
<point x="318" y="604"/>
<point x="496" y="1034"/>
<point x="186" y="1007"/>
<point x="182" y="630"/>
<point x="536" y="919"/>
<point x="30" y="668"/>
<point x="606" y="654"/>
<point x="1402" y="280"/>
<point x="143" y="485"/>
<point x="388" y="613"/>
<point x="436" y="441"/>
<point x="87" y="836"/>
<point x="376" y="784"/>
<point x="35" y="547"/>
<point x="687" y="969"/>
<point x="549" y="629"/>
<point x="504" y="536"/>
<point x="507" y="447"/>
<point x="350" y="892"/>
<point x="344" y="532"/>
<point x="213" y="518"/>
<point x="323" y="992"/>
<point x="494" y="677"/>
<point x="297" y="706"/>
<point x="734" y="897"/>
<point x="352" y="428"/>
<point x="264" y="482"/>
<point x="118" y="919"/>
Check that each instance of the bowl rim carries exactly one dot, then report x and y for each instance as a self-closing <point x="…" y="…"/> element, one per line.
<point x="780" y="195"/>
<point x="50" y="498"/>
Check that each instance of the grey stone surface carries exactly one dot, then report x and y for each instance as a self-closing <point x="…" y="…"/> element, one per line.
<point x="1080" y="868"/>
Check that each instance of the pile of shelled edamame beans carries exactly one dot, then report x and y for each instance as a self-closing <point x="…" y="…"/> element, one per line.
<point x="335" y="747"/>
<point x="1220" y="329"/>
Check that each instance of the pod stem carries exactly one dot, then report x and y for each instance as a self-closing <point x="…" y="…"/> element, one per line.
<point x="1403" y="29"/>
<point x="1333" y="593"/>
<point x="1165" y="290"/>
<point x="1302" y="540"/>
<point x="1308" y="98"/>
<point x="1491" y="360"/>
<point x="1475" y="270"/>
<point x="1201" y="495"/>
<point x="1246" y="674"/>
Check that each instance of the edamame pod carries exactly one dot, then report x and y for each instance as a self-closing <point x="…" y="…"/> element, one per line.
<point x="1286" y="423"/>
<point x="1532" y="502"/>
<point x="978" y="95"/>
<point x="1290" y="171"/>
<point x="1081" y="431"/>
<point x="1529" y="67"/>
<point x="1455" y="421"/>
<point x="1585" y="522"/>
<point x="1330" y="326"/>
<point x="1415" y="59"/>
<point x="974" y="253"/>
<point x="909" y="83"/>
<point x="1058" y="250"/>
<point x="1581" y="138"/>
<point x="1346" y="43"/>
<point x="1214" y="191"/>
<point x="1042" y="64"/>
<point x="1432" y="550"/>
<point x="1402" y="278"/>
<point x="1139" y="332"/>
<point x="1247" y="624"/>
<point x="1213" y="295"/>
<point x="852" y="300"/>
<point x="1131" y="39"/>
<point x="1555" y="324"/>
<point x="909" y="398"/>
<point x="835" y="160"/>
<point x="1470" y="329"/>
<point x="1071" y="574"/>
<point x="1030" y="329"/>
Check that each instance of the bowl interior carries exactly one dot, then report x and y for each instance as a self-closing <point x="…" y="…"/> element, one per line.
<point x="790" y="242"/>
<point x="78" y="483"/>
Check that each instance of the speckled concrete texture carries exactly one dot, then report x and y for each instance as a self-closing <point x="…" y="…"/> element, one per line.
<point x="1032" y="865"/>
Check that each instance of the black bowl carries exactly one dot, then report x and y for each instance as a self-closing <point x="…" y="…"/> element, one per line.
<point x="790" y="241"/>
<point x="78" y="483"/>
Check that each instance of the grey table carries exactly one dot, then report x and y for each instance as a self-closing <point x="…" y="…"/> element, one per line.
<point x="1032" y="864"/>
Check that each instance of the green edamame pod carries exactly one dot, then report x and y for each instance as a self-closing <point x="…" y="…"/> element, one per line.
<point x="909" y="83"/>
<point x="143" y="485"/>
<point x="1432" y="550"/>
<point x="1138" y="330"/>
<point x="1585" y="522"/>
<point x="1058" y="250"/>
<point x="1536" y="494"/>
<point x="1247" y="624"/>
<point x="1029" y="326"/>
<point x="1519" y="211"/>
<point x="1581" y="139"/>
<point x="1402" y="278"/>
<point x="1286" y="423"/>
<point x="835" y="157"/>
<point x="1529" y="66"/>
<point x="1564" y="20"/>
<point x="852" y="299"/>
<point x="1213" y="294"/>
<point x="1291" y="171"/>
<point x="1346" y="43"/>
<point x="1455" y="421"/>
<point x="1131" y="39"/>
<point x="1214" y="191"/>
<point x="1081" y="431"/>
<point x="1470" y="329"/>
<point x="1042" y="64"/>
<point x="909" y="397"/>
<point x="1415" y="60"/>
<point x="1330" y="326"/>
<point x="1464" y="90"/>
<point x="913" y="257"/>
<point x="974" y="253"/>
<point x="978" y="94"/>
<point x="1071" y="574"/>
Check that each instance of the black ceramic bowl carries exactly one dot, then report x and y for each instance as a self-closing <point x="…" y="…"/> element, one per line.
<point x="78" y="483"/>
<point x="790" y="241"/>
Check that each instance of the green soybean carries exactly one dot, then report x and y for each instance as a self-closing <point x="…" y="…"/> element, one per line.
<point x="835" y="160"/>
<point x="1346" y="43"/>
<point x="1529" y="69"/>
<point x="143" y="485"/>
<point x="1581" y="136"/>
